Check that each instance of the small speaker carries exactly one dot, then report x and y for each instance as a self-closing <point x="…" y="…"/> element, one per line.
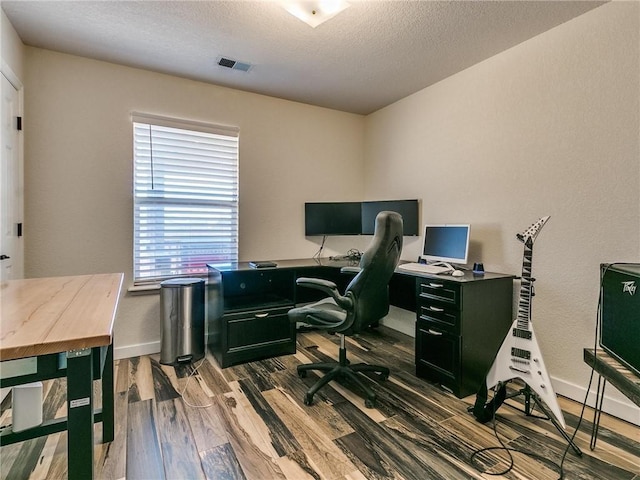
<point x="26" y="406"/>
<point x="620" y="313"/>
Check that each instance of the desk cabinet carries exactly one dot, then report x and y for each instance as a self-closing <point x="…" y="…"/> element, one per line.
<point x="460" y="325"/>
<point x="461" y="321"/>
<point x="247" y="318"/>
<point x="247" y="307"/>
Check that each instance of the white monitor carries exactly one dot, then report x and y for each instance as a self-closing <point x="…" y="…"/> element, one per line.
<point x="446" y="243"/>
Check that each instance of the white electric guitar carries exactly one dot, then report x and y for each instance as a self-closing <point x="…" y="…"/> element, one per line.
<point x="520" y="356"/>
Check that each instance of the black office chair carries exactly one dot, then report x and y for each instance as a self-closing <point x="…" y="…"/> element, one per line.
<point x="365" y="301"/>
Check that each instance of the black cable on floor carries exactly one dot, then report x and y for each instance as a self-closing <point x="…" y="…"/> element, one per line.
<point x="559" y="467"/>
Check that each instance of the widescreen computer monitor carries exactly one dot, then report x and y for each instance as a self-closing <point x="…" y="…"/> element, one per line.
<point x="332" y="218"/>
<point x="407" y="208"/>
<point x="446" y="243"/>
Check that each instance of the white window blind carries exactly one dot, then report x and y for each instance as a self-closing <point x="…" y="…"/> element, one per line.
<point x="185" y="197"/>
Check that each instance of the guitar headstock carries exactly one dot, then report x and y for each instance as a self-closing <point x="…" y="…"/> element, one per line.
<point x="530" y="234"/>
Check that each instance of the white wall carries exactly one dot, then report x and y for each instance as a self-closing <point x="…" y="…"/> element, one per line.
<point x="79" y="170"/>
<point x="12" y="49"/>
<point x="549" y="127"/>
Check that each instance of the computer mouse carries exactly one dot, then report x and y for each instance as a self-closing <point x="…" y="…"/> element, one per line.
<point x="457" y="273"/>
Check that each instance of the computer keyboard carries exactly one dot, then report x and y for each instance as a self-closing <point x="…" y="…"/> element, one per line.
<point x="424" y="268"/>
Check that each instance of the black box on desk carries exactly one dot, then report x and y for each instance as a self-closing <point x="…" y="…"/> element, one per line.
<point x="620" y="312"/>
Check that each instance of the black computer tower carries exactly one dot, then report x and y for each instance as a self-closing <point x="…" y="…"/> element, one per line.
<point x="620" y="312"/>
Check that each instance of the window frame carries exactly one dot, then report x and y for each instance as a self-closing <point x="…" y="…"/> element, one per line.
<point x="216" y="205"/>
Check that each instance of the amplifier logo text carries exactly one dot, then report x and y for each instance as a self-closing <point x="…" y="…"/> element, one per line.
<point x="629" y="287"/>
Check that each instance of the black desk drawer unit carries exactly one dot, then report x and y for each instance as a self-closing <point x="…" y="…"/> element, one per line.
<point x="247" y="314"/>
<point x="460" y="324"/>
<point x="247" y="307"/>
<point x="440" y="291"/>
<point x="445" y="318"/>
<point x="253" y="334"/>
<point x="437" y="355"/>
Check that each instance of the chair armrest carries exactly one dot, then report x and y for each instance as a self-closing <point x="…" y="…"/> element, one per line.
<point x="355" y="270"/>
<point x="328" y="287"/>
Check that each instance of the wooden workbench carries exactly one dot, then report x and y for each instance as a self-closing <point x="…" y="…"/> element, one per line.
<point x="66" y="325"/>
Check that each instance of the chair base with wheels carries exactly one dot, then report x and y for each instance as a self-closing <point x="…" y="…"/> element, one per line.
<point x="342" y="369"/>
<point x="364" y="302"/>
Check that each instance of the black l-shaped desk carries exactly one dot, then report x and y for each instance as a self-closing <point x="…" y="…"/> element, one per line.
<point x="460" y="321"/>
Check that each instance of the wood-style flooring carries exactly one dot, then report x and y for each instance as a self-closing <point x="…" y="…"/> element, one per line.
<point x="250" y="422"/>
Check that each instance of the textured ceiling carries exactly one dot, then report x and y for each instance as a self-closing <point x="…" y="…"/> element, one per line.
<point x="370" y="55"/>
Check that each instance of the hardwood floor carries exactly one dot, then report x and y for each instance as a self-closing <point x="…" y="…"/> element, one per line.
<point x="249" y="422"/>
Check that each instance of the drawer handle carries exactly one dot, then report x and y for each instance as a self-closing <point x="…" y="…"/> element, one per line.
<point x="262" y="315"/>
<point x="433" y="332"/>
<point x="435" y="309"/>
<point x="436" y="285"/>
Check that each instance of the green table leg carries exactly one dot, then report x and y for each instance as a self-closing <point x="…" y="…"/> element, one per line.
<point x="107" y="397"/>
<point x="80" y="413"/>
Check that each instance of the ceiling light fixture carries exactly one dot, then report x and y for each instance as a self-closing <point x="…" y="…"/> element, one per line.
<point x="315" y="12"/>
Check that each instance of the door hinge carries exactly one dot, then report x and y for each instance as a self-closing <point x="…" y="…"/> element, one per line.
<point x="19" y="123"/>
<point x="19" y="229"/>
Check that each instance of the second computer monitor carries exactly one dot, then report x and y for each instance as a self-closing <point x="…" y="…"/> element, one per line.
<point x="446" y="243"/>
<point x="407" y="208"/>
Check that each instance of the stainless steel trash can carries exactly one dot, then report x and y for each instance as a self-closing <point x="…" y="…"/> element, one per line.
<point x="182" y="320"/>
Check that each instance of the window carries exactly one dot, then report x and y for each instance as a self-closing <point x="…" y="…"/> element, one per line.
<point x="185" y="197"/>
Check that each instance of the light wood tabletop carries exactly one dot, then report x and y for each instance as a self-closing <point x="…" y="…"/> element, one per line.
<point x="615" y="372"/>
<point x="40" y="316"/>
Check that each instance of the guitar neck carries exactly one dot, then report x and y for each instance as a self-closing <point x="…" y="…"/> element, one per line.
<point x="524" y="300"/>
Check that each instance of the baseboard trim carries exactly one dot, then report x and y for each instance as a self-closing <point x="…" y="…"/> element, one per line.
<point x="136" y="350"/>
<point x="404" y="322"/>
<point x="624" y="410"/>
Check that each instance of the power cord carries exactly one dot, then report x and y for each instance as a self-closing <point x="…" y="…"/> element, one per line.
<point x="586" y="396"/>
<point x="508" y="450"/>
<point x="545" y="460"/>
<point x="319" y="252"/>
<point x="598" y="407"/>
<point x="502" y="445"/>
<point x="184" y="389"/>
<point x="559" y="467"/>
<point x="352" y="254"/>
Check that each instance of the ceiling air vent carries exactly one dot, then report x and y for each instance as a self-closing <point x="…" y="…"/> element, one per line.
<point x="234" y="65"/>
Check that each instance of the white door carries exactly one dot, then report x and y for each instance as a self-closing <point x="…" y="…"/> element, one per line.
<point x="11" y="197"/>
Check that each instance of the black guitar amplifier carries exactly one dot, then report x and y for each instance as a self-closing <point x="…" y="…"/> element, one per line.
<point x="620" y="312"/>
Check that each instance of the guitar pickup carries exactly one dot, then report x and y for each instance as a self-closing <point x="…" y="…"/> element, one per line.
<point x="521" y="353"/>
<point x="520" y="333"/>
